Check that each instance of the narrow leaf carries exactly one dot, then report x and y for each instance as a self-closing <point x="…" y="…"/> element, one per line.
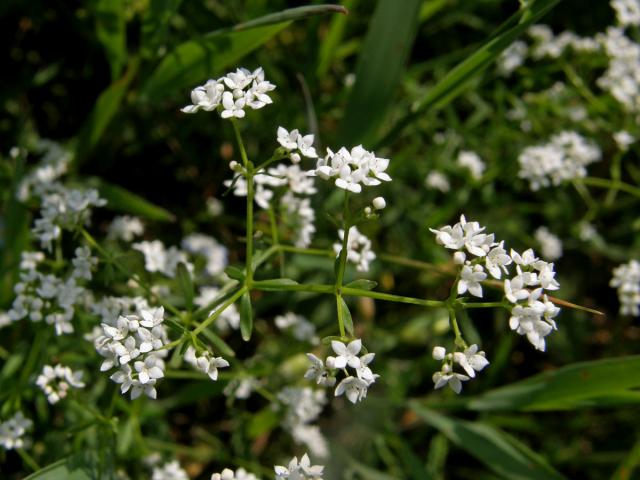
<point x="103" y="112"/>
<point x="568" y="387"/>
<point x="274" y="283"/>
<point x="186" y="285"/>
<point x="499" y="451"/>
<point x="379" y="69"/>
<point x="246" y="317"/>
<point x="194" y="61"/>
<point x="457" y="80"/>
<point x="234" y="273"/>
<point x="347" y="321"/>
<point x="111" y="30"/>
<point x="122" y="200"/>
<point x="362" y="284"/>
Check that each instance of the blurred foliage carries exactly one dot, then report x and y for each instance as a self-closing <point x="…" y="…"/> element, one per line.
<point x="107" y="78"/>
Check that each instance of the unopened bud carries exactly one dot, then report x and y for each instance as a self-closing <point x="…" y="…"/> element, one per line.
<point x="439" y="353"/>
<point x="379" y="203"/>
<point x="459" y="258"/>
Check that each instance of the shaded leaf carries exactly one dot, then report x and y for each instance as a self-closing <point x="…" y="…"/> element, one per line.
<point x="345" y="315"/>
<point x="499" y="451"/>
<point x="197" y="60"/>
<point x="111" y="30"/>
<point x="246" y="317"/>
<point x="379" y="69"/>
<point x="186" y="284"/>
<point x="274" y="283"/>
<point x="362" y="284"/>
<point x="122" y="200"/>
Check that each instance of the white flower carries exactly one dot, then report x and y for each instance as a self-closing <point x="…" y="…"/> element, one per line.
<point x="626" y="279"/>
<point x="125" y="228"/>
<point x="288" y="140"/>
<point x="447" y="377"/>
<point x="550" y="244"/>
<point x="472" y="162"/>
<point x="627" y="12"/>
<point x="299" y="471"/>
<point x="438" y="181"/>
<point x="471" y="360"/>
<point x="624" y="140"/>
<point x="205" y="362"/>
<point x="439" y="353"/>
<point x="346" y="354"/>
<point x="232" y="107"/>
<point x="514" y="289"/>
<point x="364" y="372"/>
<point x="470" y="278"/>
<point x="497" y="260"/>
<point x="354" y="388"/>
<point x="151" y="368"/>
<point x="169" y="471"/>
<point x="13" y="431"/>
<point x="358" y="249"/>
<point x="55" y="382"/>
<point x="318" y="372"/>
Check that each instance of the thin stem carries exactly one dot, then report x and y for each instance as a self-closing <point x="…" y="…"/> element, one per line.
<point x="274" y="237"/>
<point x="345" y="241"/>
<point x="356" y="292"/>
<point x="126" y="272"/>
<point x="611" y="184"/>
<point x="482" y="305"/>
<point x="230" y="301"/>
<point x="243" y="152"/>
<point x="306" y="251"/>
<point x="28" y="459"/>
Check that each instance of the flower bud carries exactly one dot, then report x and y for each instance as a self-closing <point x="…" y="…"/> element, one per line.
<point x="459" y="258"/>
<point x="439" y="353"/>
<point x="379" y="203"/>
<point x="295" y="157"/>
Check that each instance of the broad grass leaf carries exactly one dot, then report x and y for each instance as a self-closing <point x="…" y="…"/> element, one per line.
<point x="379" y="69"/>
<point x="499" y="451"/>
<point x="122" y="200"/>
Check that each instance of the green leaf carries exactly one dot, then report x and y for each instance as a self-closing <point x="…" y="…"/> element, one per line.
<point x="186" y="284"/>
<point x="59" y="470"/>
<point x="155" y="24"/>
<point x="122" y="200"/>
<point x="457" y="80"/>
<point x="499" y="451"/>
<point x="362" y="284"/>
<point x="221" y="346"/>
<point x="332" y="40"/>
<point x="273" y="284"/>
<point x="246" y="317"/>
<point x="111" y="30"/>
<point x="565" y="388"/>
<point x="234" y="273"/>
<point x="379" y="69"/>
<point x="103" y="112"/>
<point x="345" y="314"/>
<point x="194" y="61"/>
<point x="262" y="422"/>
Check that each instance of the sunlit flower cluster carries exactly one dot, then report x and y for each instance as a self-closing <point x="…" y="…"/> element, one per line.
<point x="232" y="94"/>
<point x="354" y="387"/>
<point x="352" y="169"/>
<point x="470" y="360"/>
<point x="136" y="340"/>
<point x="550" y="244"/>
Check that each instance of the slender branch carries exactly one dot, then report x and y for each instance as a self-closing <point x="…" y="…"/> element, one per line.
<point x="230" y="301"/>
<point x="610" y="184"/>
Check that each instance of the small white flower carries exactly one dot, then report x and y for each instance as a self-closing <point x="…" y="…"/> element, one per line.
<point x="232" y="107"/>
<point x="354" y="388"/>
<point x="471" y="360"/>
<point x="470" y="278"/>
<point x="346" y="354"/>
<point x="446" y="377"/>
<point x="318" y="372"/>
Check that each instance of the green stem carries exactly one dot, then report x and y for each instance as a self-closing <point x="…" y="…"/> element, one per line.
<point x="28" y="459"/>
<point x="126" y="272"/>
<point x="230" y="301"/>
<point x="306" y="251"/>
<point x="342" y="259"/>
<point x="274" y="237"/>
<point x="482" y="305"/>
<point x="610" y="184"/>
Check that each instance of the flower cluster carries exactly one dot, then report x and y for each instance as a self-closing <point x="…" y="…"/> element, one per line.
<point x="621" y="78"/>
<point x="532" y="313"/>
<point x="564" y="158"/>
<point x="358" y="249"/>
<point x="214" y="254"/>
<point x="125" y="228"/>
<point x="627" y="12"/>
<point x="352" y="169"/>
<point x="472" y="162"/>
<point x="303" y="407"/>
<point x="49" y="297"/>
<point x="169" y="471"/>
<point x="13" y="431"/>
<point x="301" y="329"/>
<point x="229" y="318"/>
<point x="56" y="381"/>
<point x="353" y="386"/>
<point x="470" y="360"/>
<point x="550" y="244"/>
<point x="158" y="258"/>
<point x="296" y="145"/>
<point x="231" y="94"/>
<point x="136" y="340"/>
<point x="626" y="279"/>
<point x="302" y="470"/>
<point x="205" y="362"/>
